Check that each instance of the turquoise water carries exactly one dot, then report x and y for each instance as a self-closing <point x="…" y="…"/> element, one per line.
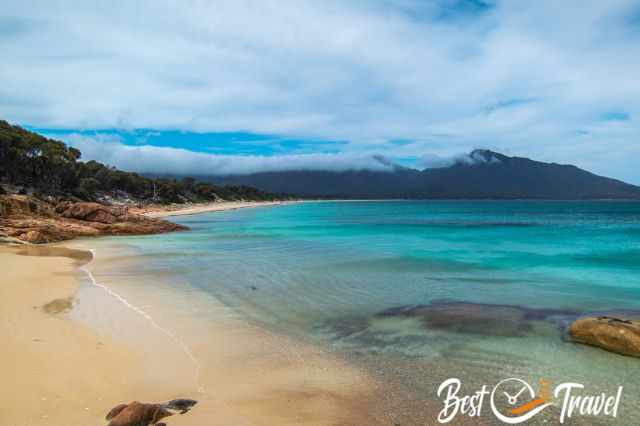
<point x="423" y="291"/>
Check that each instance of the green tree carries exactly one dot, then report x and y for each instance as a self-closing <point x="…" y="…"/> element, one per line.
<point x="88" y="187"/>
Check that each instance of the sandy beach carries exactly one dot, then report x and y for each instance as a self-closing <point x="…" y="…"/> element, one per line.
<point x="54" y="371"/>
<point x="59" y="370"/>
<point x="181" y="209"/>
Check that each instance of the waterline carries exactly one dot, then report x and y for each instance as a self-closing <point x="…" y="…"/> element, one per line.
<point x="147" y="317"/>
<point x="413" y="292"/>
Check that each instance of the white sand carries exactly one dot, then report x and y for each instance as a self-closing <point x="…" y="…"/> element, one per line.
<point x="179" y="210"/>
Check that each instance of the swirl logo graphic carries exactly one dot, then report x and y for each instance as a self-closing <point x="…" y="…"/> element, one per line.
<point x="520" y="399"/>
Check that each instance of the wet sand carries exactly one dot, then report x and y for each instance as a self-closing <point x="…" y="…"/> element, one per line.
<point x="92" y="348"/>
<point x="54" y="371"/>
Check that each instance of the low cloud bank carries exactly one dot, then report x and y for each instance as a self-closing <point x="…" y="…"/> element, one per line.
<point x="152" y="159"/>
<point x="478" y="156"/>
<point x="110" y="150"/>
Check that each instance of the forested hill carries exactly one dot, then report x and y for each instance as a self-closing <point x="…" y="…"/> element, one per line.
<point x="482" y="174"/>
<point x="30" y="162"/>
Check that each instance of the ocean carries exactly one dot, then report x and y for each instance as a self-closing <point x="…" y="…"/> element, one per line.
<point x="416" y="291"/>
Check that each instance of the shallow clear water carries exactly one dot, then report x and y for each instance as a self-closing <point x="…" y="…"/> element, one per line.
<point x="499" y="281"/>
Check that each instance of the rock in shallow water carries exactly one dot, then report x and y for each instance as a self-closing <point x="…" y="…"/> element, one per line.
<point x="614" y="334"/>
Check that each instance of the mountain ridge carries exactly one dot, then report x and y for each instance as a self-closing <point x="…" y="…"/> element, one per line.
<point x="481" y="174"/>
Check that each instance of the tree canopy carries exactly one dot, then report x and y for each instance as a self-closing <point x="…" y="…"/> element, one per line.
<point x="51" y="167"/>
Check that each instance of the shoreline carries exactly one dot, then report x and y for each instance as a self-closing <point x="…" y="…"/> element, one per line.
<point x="102" y="350"/>
<point x="49" y="362"/>
<point x="191" y="209"/>
<point x="252" y="378"/>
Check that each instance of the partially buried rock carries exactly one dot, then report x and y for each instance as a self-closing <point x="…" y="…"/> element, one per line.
<point x="58" y="306"/>
<point x="141" y="414"/>
<point x="610" y="333"/>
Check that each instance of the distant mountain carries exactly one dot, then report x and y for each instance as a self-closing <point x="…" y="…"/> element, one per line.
<point x="483" y="174"/>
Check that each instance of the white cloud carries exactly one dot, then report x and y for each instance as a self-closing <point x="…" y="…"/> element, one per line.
<point x="151" y="159"/>
<point x="367" y="72"/>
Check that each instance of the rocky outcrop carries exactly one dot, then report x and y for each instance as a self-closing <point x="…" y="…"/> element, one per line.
<point x="5" y="239"/>
<point x="91" y="212"/>
<point x="24" y="205"/>
<point x="38" y="221"/>
<point x="614" y="334"/>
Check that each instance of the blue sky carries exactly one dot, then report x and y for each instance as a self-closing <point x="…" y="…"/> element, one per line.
<point x="204" y="86"/>
<point x="222" y="143"/>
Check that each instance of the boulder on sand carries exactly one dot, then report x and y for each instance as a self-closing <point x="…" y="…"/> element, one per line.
<point x="140" y="414"/>
<point x="137" y="414"/>
<point x="610" y="333"/>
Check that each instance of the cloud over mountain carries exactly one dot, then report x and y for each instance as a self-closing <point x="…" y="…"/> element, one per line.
<point x="547" y="79"/>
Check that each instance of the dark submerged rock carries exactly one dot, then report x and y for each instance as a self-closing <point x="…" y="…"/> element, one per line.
<point x="477" y="318"/>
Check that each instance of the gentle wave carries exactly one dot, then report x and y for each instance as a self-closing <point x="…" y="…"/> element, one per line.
<point x="147" y="317"/>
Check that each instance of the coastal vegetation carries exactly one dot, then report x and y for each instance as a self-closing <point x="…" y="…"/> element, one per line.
<point x="36" y="164"/>
<point x="48" y="194"/>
